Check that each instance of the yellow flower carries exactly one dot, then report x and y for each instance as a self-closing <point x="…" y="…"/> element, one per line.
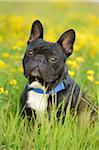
<point x="90" y="72"/>
<point x="2" y="64"/>
<point x="90" y="78"/>
<point x="73" y="64"/>
<point x="5" y="55"/>
<point x="97" y="82"/>
<point x="3" y="91"/>
<point x="71" y="73"/>
<point x="13" y="82"/>
<point x="69" y="62"/>
<point x="80" y="59"/>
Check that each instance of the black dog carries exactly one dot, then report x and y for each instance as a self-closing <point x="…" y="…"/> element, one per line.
<point x="44" y="66"/>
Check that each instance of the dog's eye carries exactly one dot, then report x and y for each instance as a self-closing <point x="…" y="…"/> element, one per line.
<point x="30" y="53"/>
<point x="52" y="59"/>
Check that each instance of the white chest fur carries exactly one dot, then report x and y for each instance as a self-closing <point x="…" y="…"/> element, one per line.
<point x="35" y="100"/>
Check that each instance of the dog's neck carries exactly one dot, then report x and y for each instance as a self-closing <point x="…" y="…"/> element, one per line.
<point x="38" y="88"/>
<point x="38" y="100"/>
<point x="37" y="95"/>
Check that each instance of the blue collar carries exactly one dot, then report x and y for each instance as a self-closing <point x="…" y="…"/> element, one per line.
<point x="55" y="90"/>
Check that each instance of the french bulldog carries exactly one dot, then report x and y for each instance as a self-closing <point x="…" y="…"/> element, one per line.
<point x="45" y="68"/>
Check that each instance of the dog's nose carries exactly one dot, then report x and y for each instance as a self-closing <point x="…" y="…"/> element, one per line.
<point x="35" y="71"/>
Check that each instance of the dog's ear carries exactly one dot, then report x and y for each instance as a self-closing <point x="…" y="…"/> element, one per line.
<point x="67" y="41"/>
<point x="36" y="31"/>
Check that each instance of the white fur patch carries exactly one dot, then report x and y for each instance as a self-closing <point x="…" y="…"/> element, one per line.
<point x="35" y="100"/>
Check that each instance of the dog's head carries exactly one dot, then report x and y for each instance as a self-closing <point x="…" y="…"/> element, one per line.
<point x="45" y="61"/>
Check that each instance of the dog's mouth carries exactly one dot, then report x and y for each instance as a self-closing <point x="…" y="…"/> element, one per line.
<point x="35" y="75"/>
<point x="47" y="85"/>
<point x="35" y="78"/>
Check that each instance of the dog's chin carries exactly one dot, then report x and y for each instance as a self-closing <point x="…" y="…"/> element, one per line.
<point x="35" y="78"/>
<point x="49" y="84"/>
<point x="39" y="80"/>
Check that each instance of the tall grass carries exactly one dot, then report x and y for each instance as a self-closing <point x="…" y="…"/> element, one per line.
<point x="18" y="133"/>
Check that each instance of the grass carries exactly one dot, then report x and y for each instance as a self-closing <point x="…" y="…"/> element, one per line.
<point x="15" y="23"/>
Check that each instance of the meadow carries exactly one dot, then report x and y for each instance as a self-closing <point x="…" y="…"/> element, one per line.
<point x="15" y="24"/>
